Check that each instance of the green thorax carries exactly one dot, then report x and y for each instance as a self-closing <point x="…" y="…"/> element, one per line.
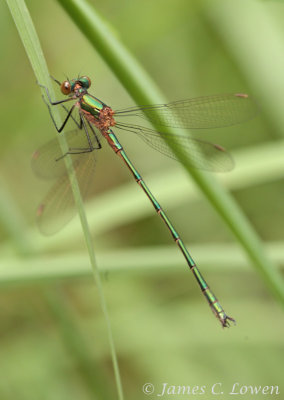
<point x="91" y="104"/>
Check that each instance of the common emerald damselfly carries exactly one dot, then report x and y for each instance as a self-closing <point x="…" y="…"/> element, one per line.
<point x="94" y="117"/>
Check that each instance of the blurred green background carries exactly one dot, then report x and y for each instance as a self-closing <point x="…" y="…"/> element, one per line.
<point x="53" y="337"/>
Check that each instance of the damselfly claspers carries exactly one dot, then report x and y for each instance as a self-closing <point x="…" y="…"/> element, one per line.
<point x="95" y="116"/>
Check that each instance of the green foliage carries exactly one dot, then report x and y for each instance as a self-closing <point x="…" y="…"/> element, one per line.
<point x="53" y="336"/>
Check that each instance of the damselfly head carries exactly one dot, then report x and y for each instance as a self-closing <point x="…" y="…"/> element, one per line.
<point x="69" y="86"/>
<point x="84" y="81"/>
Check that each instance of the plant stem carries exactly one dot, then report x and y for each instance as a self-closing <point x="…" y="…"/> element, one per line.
<point x="34" y="52"/>
<point x="144" y="91"/>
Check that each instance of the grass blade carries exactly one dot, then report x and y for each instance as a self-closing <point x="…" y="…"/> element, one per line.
<point x="144" y="91"/>
<point x="31" y="43"/>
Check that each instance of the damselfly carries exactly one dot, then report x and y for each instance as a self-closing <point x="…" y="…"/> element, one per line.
<point x="94" y="116"/>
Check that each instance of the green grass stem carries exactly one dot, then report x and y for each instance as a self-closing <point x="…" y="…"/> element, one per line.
<point x="34" y="52"/>
<point x="143" y="90"/>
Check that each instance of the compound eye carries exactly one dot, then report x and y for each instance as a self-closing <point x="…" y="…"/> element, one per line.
<point x="65" y="87"/>
<point x="85" y="82"/>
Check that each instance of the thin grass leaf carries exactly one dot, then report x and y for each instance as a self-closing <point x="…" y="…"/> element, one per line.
<point x="223" y="257"/>
<point x="32" y="46"/>
<point x="144" y="91"/>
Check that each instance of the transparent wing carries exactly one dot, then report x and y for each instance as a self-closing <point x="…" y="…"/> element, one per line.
<point x="44" y="162"/>
<point x="58" y="207"/>
<point x="200" y="154"/>
<point x="198" y="113"/>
